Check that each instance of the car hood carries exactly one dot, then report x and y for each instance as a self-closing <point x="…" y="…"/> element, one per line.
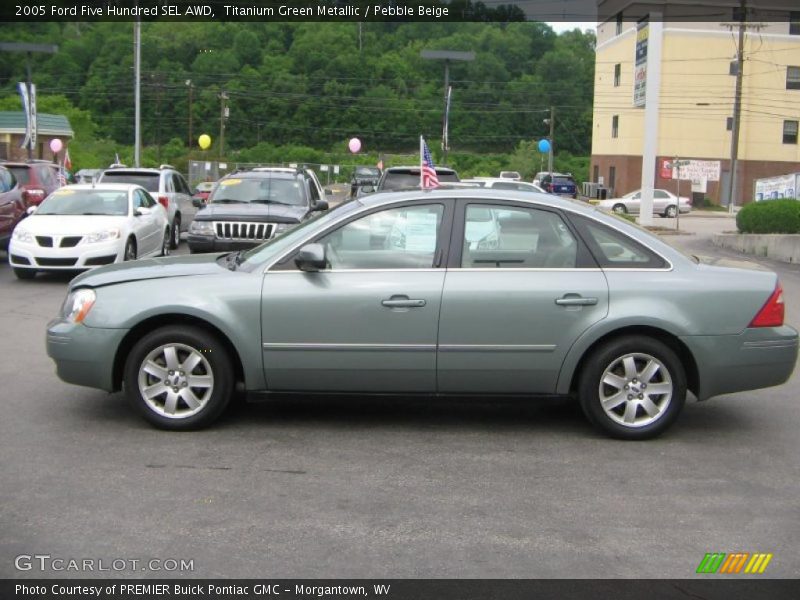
<point x="273" y="213"/>
<point x="70" y="224"/>
<point x="152" y="268"/>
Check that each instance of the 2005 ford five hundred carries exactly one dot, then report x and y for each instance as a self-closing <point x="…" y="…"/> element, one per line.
<point x="460" y="291"/>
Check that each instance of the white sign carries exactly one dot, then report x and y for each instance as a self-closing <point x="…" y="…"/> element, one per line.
<point x="335" y="169"/>
<point x="323" y="168"/>
<point x="700" y="185"/>
<point x="223" y="165"/>
<point x="698" y="169"/>
<point x="773" y="188"/>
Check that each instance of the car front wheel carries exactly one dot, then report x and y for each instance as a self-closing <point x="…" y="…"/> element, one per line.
<point x="176" y="232"/>
<point x="632" y="388"/>
<point x="179" y="378"/>
<point x="671" y="211"/>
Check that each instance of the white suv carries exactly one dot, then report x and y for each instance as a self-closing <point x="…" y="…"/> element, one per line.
<point x="167" y="186"/>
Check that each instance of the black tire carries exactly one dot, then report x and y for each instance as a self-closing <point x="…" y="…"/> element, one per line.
<point x="175" y="239"/>
<point x="670" y="212"/>
<point x="620" y="209"/>
<point x="165" y="243"/>
<point x="24" y="273"/>
<point x="633" y="395"/>
<point x="130" y="250"/>
<point x="187" y="341"/>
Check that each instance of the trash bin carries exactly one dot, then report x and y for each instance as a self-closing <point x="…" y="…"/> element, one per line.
<point x="602" y="193"/>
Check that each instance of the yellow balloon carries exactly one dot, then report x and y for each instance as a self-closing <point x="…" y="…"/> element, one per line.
<point x="204" y="141"/>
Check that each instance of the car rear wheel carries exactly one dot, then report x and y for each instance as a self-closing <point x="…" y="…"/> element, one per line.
<point x="176" y="232"/>
<point x="165" y="244"/>
<point x="130" y="250"/>
<point x="671" y="211"/>
<point x="179" y="378"/>
<point x="620" y="209"/>
<point x="632" y="388"/>
<point x="25" y="273"/>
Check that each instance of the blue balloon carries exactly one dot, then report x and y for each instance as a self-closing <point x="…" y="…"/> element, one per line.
<point x="544" y="146"/>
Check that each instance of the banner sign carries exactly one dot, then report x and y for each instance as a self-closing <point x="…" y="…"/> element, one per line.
<point x="640" y="64"/>
<point x="774" y="188"/>
<point x="708" y="170"/>
<point x="26" y="107"/>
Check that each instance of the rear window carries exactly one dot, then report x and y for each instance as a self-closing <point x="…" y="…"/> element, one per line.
<point x="261" y="190"/>
<point x="147" y="181"/>
<point x="22" y="174"/>
<point x="396" y="180"/>
<point x="563" y="181"/>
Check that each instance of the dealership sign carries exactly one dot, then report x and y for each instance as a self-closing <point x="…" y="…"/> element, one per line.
<point x="640" y="64"/>
<point x="774" y="188"/>
<point x="695" y="170"/>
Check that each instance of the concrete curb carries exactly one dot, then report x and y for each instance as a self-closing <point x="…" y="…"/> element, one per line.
<point x="777" y="246"/>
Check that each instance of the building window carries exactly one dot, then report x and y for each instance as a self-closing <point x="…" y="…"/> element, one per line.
<point x="790" y="132"/>
<point x="733" y="68"/>
<point x="794" y="23"/>
<point x="596" y="174"/>
<point x="4" y="155"/>
<point x="619" y="23"/>
<point x="612" y="178"/>
<point x="729" y="124"/>
<point x="617" y="74"/>
<point x="793" y="78"/>
<point x="615" y="126"/>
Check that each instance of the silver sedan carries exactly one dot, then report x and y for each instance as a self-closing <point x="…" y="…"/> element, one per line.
<point x="664" y="203"/>
<point x="446" y="292"/>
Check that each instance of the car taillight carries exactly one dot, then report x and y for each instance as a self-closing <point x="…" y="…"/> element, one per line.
<point x="33" y="195"/>
<point x="771" y="314"/>
<point x="164" y="201"/>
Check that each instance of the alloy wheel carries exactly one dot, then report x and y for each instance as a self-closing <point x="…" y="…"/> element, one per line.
<point x="175" y="381"/>
<point x="635" y="390"/>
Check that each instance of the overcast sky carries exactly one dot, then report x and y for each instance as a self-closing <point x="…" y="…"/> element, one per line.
<point x="560" y="26"/>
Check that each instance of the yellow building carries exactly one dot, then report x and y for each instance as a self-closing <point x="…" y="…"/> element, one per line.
<point x="696" y="103"/>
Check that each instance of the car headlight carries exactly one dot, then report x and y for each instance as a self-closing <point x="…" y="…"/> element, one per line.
<point x="104" y="235"/>
<point x="202" y="228"/>
<point x="282" y="227"/>
<point x="22" y="235"/>
<point x="78" y="304"/>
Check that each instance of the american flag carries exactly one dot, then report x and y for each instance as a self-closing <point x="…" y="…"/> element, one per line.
<point x="427" y="176"/>
<point x="62" y="176"/>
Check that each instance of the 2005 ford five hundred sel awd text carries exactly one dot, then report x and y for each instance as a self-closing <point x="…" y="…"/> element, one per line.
<point x="459" y="291"/>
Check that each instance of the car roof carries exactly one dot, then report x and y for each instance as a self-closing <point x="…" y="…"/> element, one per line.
<point x="477" y="193"/>
<point x="109" y="187"/>
<point x="135" y="170"/>
<point x="22" y="163"/>
<point x="496" y="180"/>
<point x="417" y="168"/>
<point x="264" y="174"/>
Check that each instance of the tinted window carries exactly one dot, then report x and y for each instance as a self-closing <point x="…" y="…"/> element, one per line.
<point x="6" y="180"/>
<point x="398" y="238"/>
<point x="22" y="175"/>
<point x="146" y="180"/>
<point x="505" y="237"/>
<point x="396" y="180"/>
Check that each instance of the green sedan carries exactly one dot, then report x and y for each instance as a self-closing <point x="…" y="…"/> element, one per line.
<point x="445" y="292"/>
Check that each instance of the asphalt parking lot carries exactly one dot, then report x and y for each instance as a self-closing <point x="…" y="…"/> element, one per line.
<point x="375" y="488"/>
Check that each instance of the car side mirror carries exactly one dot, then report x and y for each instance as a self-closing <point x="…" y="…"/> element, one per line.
<point x="31" y="209"/>
<point x="197" y="203"/>
<point x="311" y="258"/>
<point x="321" y="205"/>
<point x="141" y="211"/>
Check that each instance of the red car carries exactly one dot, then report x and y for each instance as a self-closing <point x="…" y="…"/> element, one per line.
<point x="36" y="179"/>
<point x="203" y="190"/>
<point x="12" y="206"/>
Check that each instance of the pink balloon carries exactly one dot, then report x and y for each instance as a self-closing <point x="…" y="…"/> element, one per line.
<point x="56" y="145"/>
<point x="354" y="144"/>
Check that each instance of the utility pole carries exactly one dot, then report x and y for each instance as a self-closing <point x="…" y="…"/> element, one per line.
<point x="191" y="89"/>
<point x="552" y="133"/>
<point x="737" y="107"/>
<point x="137" y="68"/>
<point x="223" y="114"/>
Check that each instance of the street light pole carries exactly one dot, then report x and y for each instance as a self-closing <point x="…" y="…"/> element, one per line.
<point x="191" y="89"/>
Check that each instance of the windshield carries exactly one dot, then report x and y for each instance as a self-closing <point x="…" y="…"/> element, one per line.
<point x="148" y="182"/>
<point x="85" y="202"/>
<point x="265" y="190"/>
<point x="563" y="181"/>
<point x="368" y="172"/>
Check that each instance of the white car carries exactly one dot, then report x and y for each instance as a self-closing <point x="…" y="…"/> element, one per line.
<point x="86" y="226"/>
<point x="503" y="183"/>
<point x="664" y="203"/>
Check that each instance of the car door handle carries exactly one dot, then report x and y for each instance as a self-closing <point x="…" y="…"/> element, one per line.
<point x="402" y="302"/>
<point x="575" y="300"/>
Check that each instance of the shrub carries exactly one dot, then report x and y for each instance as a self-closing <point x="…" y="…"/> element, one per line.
<point x="774" y="216"/>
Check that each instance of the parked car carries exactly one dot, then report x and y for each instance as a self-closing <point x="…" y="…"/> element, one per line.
<point x="390" y="295"/>
<point x="559" y="184"/>
<point x="35" y="178"/>
<point x="203" y="190"/>
<point x="499" y="183"/>
<point x="367" y="177"/>
<point x="167" y="186"/>
<point x="247" y="208"/>
<point x="400" y="178"/>
<point x="12" y="205"/>
<point x="85" y="226"/>
<point x="513" y="175"/>
<point x="664" y="203"/>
